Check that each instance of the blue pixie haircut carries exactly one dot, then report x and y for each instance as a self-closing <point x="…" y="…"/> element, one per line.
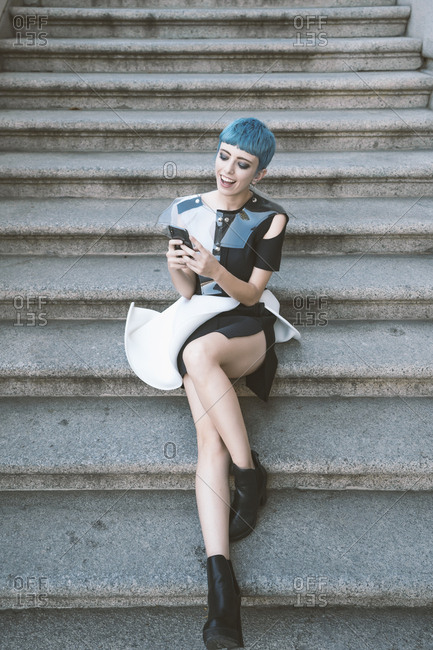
<point x="252" y="136"/>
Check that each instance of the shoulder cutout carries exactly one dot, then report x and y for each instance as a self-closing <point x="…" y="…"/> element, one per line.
<point x="277" y="226"/>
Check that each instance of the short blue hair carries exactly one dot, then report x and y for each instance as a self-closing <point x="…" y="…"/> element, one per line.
<point x="252" y="136"/>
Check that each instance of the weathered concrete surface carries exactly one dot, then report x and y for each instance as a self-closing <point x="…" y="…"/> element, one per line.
<point x="207" y="91"/>
<point x="308" y="443"/>
<point x="217" y="3"/>
<point x="306" y="627"/>
<point x="137" y="548"/>
<point x="421" y="26"/>
<point x="344" y="358"/>
<point x="121" y="226"/>
<point x="164" y="175"/>
<point x="127" y="130"/>
<point x="213" y="55"/>
<point x="231" y="22"/>
<point x="313" y="290"/>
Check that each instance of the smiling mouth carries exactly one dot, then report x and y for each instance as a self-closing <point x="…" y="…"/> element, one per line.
<point x="226" y="182"/>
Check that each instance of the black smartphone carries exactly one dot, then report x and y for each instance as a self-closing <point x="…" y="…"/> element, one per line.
<point x="180" y="233"/>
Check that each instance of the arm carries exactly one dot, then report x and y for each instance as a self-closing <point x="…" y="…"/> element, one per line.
<point x="248" y="293"/>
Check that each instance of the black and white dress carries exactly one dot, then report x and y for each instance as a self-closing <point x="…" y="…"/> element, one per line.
<point x="235" y="238"/>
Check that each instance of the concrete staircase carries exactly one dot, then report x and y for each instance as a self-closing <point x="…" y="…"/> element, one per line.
<point x="101" y="127"/>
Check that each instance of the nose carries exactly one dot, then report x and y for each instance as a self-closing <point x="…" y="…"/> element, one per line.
<point x="229" y="167"/>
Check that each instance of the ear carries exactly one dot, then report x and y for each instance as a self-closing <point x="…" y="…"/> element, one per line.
<point x="261" y="174"/>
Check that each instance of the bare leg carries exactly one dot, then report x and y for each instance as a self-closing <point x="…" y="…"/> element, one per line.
<point x="219" y="423"/>
<point x="210" y="361"/>
<point x="212" y="479"/>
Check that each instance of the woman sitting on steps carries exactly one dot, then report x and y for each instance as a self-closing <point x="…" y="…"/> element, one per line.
<point x="236" y="238"/>
<point x="233" y="344"/>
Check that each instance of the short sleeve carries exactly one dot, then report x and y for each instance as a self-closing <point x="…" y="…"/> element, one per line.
<point x="190" y="213"/>
<point x="268" y="252"/>
<point x="170" y="215"/>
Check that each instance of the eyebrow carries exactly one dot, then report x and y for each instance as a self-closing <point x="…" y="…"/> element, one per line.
<point x="238" y="157"/>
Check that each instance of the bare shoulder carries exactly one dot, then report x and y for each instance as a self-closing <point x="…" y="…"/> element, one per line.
<point x="277" y="226"/>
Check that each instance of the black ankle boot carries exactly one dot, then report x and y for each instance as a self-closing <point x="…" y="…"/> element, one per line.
<point x="223" y="626"/>
<point x="250" y="492"/>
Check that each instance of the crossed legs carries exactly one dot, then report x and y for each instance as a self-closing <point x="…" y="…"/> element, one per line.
<point x="221" y="434"/>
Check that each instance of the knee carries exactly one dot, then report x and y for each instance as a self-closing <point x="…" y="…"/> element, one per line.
<point x="211" y="446"/>
<point x="198" y="355"/>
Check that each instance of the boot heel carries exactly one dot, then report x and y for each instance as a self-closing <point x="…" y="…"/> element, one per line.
<point x="217" y="638"/>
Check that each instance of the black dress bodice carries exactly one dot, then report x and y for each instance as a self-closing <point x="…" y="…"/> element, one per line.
<point x="235" y="237"/>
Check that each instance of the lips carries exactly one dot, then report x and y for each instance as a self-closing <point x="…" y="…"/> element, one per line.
<point x="226" y="182"/>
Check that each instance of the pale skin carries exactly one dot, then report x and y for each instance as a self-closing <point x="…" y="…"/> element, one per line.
<point x="212" y="360"/>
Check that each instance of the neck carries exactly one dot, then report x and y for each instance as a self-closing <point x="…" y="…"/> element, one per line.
<point x="234" y="202"/>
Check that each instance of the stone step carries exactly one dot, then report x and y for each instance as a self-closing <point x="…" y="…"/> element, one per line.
<point x="105" y="130"/>
<point x="268" y="628"/>
<point x="218" y="3"/>
<point x="119" y="226"/>
<point x="116" y="443"/>
<point x="289" y="91"/>
<point x="229" y="22"/>
<point x="343" y="358"/>
<point x="312" y="290"/>
<point x="164" y="175"/>
<point x="258" y="56"/>
<point x="135" y="548"/>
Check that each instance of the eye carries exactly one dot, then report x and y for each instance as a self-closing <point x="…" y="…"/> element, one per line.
<point x="243" y="165"/>
<point x="223" y="156"/>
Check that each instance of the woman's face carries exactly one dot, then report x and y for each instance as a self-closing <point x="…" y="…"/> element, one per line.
<point x="235" y="169"/>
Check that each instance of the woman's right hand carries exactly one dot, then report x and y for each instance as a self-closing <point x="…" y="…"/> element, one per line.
<point x="175" y="257"/>
<point x="182" y="277"/>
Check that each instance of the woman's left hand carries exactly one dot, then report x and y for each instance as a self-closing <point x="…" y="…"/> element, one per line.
<point x="202" y="261"/>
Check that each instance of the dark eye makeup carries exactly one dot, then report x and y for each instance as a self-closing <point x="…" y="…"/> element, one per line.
<point x="242" y="165"/>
